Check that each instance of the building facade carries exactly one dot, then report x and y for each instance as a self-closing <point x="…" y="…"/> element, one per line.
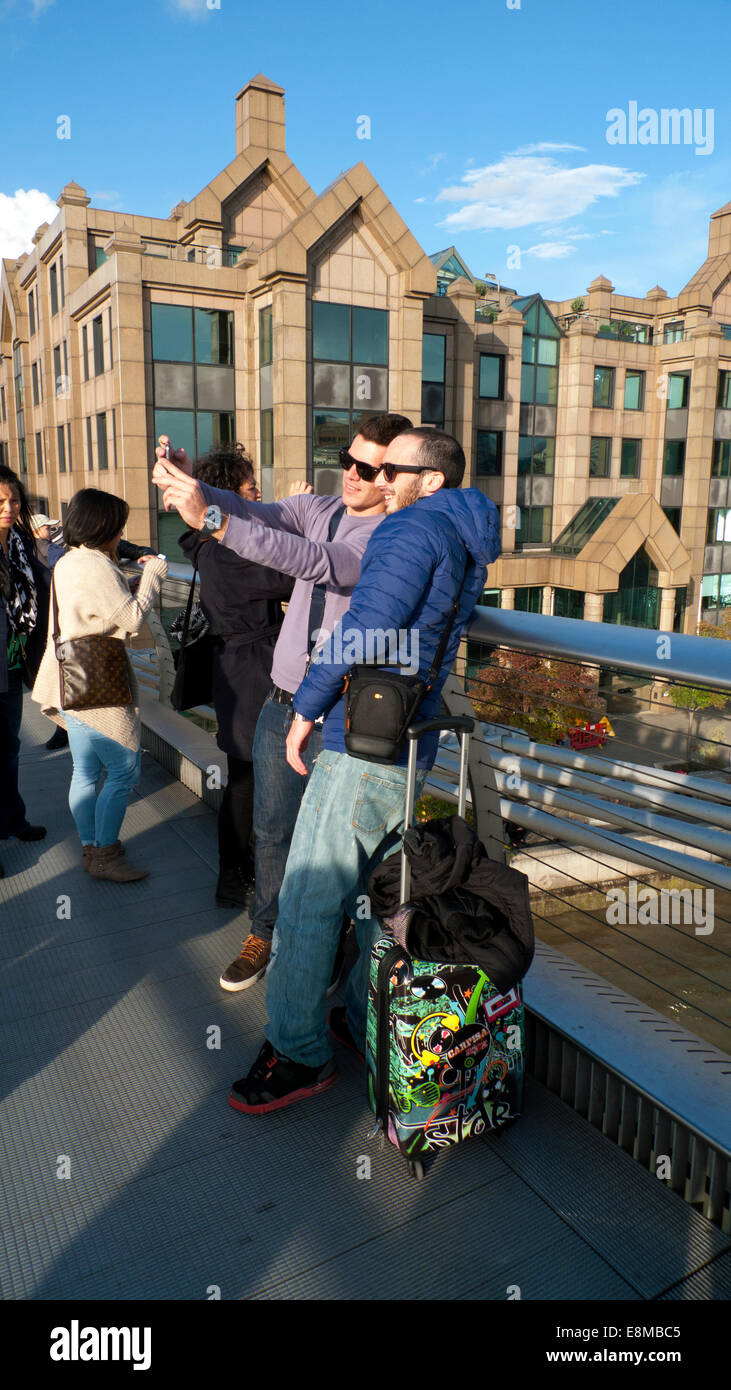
<point x="263" y="312"/>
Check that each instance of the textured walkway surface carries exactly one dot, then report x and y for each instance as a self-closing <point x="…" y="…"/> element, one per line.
<point x="108" y="995"/>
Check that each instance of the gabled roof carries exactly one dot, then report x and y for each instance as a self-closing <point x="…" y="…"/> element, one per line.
<point x="526" y="302"/>
<point x="440" y="260"/>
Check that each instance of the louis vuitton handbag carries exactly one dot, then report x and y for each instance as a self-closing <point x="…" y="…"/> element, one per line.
<point x="93" y="671"/>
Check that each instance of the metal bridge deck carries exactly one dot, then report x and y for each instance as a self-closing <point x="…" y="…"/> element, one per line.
<point x="104" y="1061"/>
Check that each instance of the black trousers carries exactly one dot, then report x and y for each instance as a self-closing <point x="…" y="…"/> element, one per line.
<point x="12" y="806"/>
<point x="236" y="814"/>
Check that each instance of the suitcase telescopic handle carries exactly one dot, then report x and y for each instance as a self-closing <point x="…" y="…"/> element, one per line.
<point x="462" y="725"/>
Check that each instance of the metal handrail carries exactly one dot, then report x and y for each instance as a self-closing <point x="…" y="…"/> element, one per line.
<point x="692" y="660"/>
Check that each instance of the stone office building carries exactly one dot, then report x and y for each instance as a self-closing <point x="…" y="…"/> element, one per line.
<point x="264" y="312"/>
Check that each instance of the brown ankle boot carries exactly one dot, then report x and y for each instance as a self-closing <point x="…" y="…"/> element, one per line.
<point x="109" y="862"/>
<point x="86" y="853"/>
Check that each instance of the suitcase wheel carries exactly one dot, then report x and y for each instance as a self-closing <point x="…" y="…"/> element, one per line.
<point x="416" y="1169"/>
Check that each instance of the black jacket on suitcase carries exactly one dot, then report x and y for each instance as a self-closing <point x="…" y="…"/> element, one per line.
<point x="465" y="906"/>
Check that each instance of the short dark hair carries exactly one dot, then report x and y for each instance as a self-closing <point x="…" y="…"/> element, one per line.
<point x="226" y="466"/>
<point x="94" y="518"/>
<point x="23" y="524"/>
<point x="441" y="452"/>
<point x="382" y="429"/>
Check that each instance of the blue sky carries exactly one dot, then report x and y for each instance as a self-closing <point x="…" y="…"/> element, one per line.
<point x="488" y="124"/>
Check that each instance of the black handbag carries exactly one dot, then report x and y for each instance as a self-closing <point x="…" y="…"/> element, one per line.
<point x="380" y="705"/>
<point x="193" y="684"/>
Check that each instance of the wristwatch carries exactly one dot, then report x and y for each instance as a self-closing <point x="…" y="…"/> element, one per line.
<point x="213" y="521"/>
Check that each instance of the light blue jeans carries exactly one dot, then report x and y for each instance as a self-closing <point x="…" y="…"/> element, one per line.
<point x="99" y="815"/>
<point x="351" y="817"/>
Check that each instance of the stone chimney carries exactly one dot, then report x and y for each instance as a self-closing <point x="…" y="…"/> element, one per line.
<point x="260" y="115"/>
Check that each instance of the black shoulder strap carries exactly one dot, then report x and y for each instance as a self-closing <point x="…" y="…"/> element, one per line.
<point x="189" y="607"/>
<point x="435" y="667"/>
<point x="317" y="601"/>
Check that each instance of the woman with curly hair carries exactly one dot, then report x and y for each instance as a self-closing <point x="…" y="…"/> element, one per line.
<point x="242" y="602"/>
<point x="23" y="620"/>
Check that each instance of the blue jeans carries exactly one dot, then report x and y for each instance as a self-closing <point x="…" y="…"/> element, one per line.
<point x="12" y="806"/>
<point x="99" y="816"/>
<point x="278" y="792"/>
<point x="351" y="818"/>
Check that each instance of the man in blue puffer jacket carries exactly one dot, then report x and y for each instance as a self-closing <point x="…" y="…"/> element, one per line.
<point x="434" y="537"/>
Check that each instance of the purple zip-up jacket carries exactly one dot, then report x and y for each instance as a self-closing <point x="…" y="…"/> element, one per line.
<point x="291" y="536"/>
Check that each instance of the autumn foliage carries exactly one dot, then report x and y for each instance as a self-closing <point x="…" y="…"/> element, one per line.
<point x="540" y="695"/>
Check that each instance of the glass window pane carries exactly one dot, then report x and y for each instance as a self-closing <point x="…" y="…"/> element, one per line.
<point x="544" y="453"/>
<point x="265" y="337"/>
<point x="529" y="348"/>
<point x="709" y="591"/>
<point x="491" y="376"/>
<point x="370" y="336"/>
<point x="546" y="325"/>
<point x="101" y="440"/>
<point x="630" y="460"/>
<point x="214" y="427"/>
<point x="678" y="384"/>
<point x="546" y="385"/>
<point x="172" y="333"/>
<point x="434" y="347"/>
<point x="604" y="387"/>
<point x="599" y="458"/>
<point x="330" y="432"/>
<point x="525" y="453"/>
<point x="673" y="464"/>
<point x="722" y="458"/>
<point x="331" y="332"/>
<point x="548" y="351"/>
<point x="634" y="390"/>
<point x="179" y="426"/>
<point x="489" y="458"/>
<point x="527" y="383"/>
<point x="432" y="404"/>
<point x="724" y="390"/>
<point x="214" y="333"/>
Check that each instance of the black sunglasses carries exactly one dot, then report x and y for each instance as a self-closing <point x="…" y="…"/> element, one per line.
<point x="367" y="472"/>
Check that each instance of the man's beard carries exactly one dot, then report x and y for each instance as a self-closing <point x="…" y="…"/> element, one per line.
<point x="411" y="494"/>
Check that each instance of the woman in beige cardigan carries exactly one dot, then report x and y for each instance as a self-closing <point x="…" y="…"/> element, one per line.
<point x="94" y="599"/>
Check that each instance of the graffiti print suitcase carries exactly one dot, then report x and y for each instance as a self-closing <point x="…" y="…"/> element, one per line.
<point x="444" y="1047"/>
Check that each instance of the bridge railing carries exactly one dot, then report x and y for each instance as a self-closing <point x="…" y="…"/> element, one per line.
<point x="601" y="767"/>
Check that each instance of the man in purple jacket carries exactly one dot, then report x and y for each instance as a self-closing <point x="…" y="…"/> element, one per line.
<point x="319" y="540"/>
<point x="430" y="551"/>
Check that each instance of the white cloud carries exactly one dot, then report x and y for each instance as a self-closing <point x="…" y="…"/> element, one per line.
<point x="192" y="9"/>
<point x="38" y="6"/>
<point x="550" y="250"/>
<point x="20" y="214"/>
<point x="522" y="189"/>
<point x="543" y="146"/>
<point x="419" y="200"/>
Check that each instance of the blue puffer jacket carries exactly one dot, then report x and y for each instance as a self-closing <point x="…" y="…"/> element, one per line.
<point x="412" y="569"/>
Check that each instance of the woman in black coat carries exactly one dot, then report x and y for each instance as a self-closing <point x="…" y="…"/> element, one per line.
<point x="24" y="588"/>
<point x="242" y="602"/>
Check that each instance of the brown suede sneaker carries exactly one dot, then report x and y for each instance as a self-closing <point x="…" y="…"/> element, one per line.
<point x="249" y="966"/>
